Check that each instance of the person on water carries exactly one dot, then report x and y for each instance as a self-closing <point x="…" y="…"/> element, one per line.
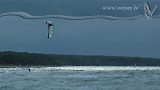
<point x="29" y="70"/>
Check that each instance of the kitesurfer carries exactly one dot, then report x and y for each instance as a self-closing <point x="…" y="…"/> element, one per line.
<point x="29" y="70"/>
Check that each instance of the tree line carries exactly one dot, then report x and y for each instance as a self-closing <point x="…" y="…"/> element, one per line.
<point x="28" y="59"/>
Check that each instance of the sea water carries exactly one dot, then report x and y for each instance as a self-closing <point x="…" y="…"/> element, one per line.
<point x="80" y="78"/>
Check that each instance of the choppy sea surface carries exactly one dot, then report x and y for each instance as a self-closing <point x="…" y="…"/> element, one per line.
<point x="80" y="78"/>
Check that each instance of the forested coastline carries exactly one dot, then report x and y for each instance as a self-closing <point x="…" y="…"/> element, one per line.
<point x="9" y="58"/>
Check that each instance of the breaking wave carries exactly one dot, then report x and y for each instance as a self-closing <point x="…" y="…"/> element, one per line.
<point x="81" y="68"/>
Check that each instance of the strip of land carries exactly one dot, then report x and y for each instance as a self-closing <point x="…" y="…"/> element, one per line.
<point x="9" y="58"/>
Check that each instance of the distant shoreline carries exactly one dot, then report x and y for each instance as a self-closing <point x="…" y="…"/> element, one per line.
<point x="25" y="59"/>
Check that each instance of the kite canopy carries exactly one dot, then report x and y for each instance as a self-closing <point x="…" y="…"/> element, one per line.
<point x="50" y="29"/>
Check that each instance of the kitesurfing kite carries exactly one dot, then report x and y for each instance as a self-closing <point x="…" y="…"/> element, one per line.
<point x="50" y="29"/>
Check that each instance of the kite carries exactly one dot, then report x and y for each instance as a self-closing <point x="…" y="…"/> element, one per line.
<point x="50" y="29"/>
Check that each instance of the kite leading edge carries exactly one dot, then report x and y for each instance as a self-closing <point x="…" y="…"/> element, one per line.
<point x="50" y="29"/>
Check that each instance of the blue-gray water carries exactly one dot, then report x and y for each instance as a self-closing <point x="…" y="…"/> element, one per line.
<point x="80" y="78"/>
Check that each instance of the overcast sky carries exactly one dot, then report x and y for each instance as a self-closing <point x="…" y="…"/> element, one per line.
<point x="78" y="7"/>
<point x="140" y="37"/>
